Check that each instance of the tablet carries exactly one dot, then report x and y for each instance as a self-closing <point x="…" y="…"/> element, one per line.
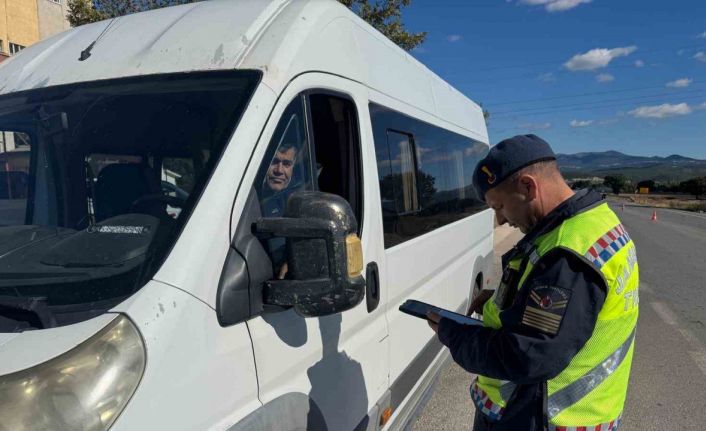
<point x="420" y="309"/>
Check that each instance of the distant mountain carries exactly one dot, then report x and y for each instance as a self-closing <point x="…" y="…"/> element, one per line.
<point x="637" y="168"/>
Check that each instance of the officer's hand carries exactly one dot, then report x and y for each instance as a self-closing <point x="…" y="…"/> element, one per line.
<point x="479" y="301"/>
<point x="433" y="321"/>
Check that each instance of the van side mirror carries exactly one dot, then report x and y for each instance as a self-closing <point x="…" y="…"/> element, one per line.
<point x="324" y="255"/>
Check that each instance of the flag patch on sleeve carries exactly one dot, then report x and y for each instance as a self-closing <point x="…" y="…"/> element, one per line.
<point x="545" y="308"/>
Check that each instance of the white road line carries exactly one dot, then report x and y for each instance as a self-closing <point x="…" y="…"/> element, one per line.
<point x="698" y="353"/>
<point x="700" y="359"/>
<point x="689" y="337"/>
<point x="664" y="313"/>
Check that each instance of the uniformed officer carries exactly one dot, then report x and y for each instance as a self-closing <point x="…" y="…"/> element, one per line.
<point x="556" y="345"/>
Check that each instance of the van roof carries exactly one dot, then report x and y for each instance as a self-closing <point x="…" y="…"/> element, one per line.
<point x="282" y="38"/>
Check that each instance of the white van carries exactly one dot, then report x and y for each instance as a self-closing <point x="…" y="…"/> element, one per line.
<point x="221" y="207"/>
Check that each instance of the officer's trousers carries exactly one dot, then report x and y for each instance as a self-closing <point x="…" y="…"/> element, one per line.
<point x="482" y="423"/>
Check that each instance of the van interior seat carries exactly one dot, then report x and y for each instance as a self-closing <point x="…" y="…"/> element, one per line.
<point x="119" y="185"/>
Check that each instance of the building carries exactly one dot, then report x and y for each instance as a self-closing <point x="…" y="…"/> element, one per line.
<point x="24" y="22"/>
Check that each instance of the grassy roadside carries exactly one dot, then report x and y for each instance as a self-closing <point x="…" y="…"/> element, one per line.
<point x="662" y="201"/>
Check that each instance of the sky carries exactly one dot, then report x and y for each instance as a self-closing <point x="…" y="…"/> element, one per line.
<point x="586" y="75"/>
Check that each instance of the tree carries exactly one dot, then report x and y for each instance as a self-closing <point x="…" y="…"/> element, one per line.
<point x="694" y="186"/>
<point x="393" y="188"/>
<point x="486" y="114"/>
<point x="384" y="15"/>
<point x="113" y="8"/>
<point x="581" y="184"/>
<point x="82" y="12"/>
<point x="617" y="183"/>
<point x="88" y="11"/>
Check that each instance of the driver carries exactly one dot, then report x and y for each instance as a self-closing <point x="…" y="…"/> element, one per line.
<point x="275" y="187"/>
<point x="275" y="192"/>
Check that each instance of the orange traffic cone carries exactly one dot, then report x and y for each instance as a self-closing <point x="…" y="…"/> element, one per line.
<point x="654" y="215"/>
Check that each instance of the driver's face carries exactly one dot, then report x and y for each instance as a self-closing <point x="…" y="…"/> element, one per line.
<point x="279" y="174"/>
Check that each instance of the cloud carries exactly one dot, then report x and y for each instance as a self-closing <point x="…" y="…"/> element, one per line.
<point x="681" y="52"/>
<point x="420" y="50"/>
<point x="577" y="123"/>
<point x="547" y="77"/>
<point x="605" y="77"/>
<point x="661" y="111"/>
<point x="639" y="63"/>
<point x="454" y="38"/>
<point x="555" y="5"/>
<point x="597" y="58"/>
<point x="701" y="106"/>
<point x="701" y="56"/>
<point x="680" y="83"/>
<point x="703" y="35"/>
<point x="535" y="126"/>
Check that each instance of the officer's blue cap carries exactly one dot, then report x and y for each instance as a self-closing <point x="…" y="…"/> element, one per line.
<point x="508" y="157"/>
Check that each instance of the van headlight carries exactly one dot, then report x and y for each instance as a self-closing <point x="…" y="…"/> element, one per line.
<point x="84" y="389"/>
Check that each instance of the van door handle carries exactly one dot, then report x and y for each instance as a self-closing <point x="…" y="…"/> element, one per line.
<point x="372" y="288"/>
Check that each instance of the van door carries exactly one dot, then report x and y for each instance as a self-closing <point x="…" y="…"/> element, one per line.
<point x="328" y="372"/>
<point x="425" y="175"/>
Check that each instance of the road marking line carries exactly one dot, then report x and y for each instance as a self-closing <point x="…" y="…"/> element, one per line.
<point x="668" y="316"/>
<point x="664" y="313"/>
<point x="700" y="359"/>
<point x="686" y="213"/>
<point x="689" y="336"/>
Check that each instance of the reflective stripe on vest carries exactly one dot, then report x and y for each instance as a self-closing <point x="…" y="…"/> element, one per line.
<point x="485" y="404"/>
<point x="571" y="394"/>
<point x="609" y="426"/>
<point x="607" y="246"/>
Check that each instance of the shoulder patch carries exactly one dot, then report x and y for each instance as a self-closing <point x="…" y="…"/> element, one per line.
<point x="545" y="309"/>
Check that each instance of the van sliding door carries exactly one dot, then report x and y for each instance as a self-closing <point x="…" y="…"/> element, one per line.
<point x="427" y="199"/>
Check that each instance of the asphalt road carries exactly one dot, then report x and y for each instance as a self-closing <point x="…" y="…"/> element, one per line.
<point x="668" y="381"/>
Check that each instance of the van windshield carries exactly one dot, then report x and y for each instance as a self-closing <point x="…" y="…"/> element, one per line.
<point x="96" y="182"/>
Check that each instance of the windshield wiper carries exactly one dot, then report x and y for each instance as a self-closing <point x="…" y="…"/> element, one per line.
<point x="19" y="314"/>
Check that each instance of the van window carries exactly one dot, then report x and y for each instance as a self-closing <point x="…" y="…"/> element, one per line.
<point x="14" y="176"/>
<point x="285" y="170"/>
<point x="425" y="174"/>
<point x="99" y="179"/>
<point x="319" y="151"/>
<point x="400" y="184"/>
<point x="287" y="165"/>
<point x="336" y="142"/>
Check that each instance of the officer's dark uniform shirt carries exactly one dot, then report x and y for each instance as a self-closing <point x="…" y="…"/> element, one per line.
<point x="522" y="354"/>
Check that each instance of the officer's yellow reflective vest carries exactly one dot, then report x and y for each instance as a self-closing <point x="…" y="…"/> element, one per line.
<point x="591" y="391"/>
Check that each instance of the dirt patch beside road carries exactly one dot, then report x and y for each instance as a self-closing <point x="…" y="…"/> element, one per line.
<point x="680" y="202"/>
